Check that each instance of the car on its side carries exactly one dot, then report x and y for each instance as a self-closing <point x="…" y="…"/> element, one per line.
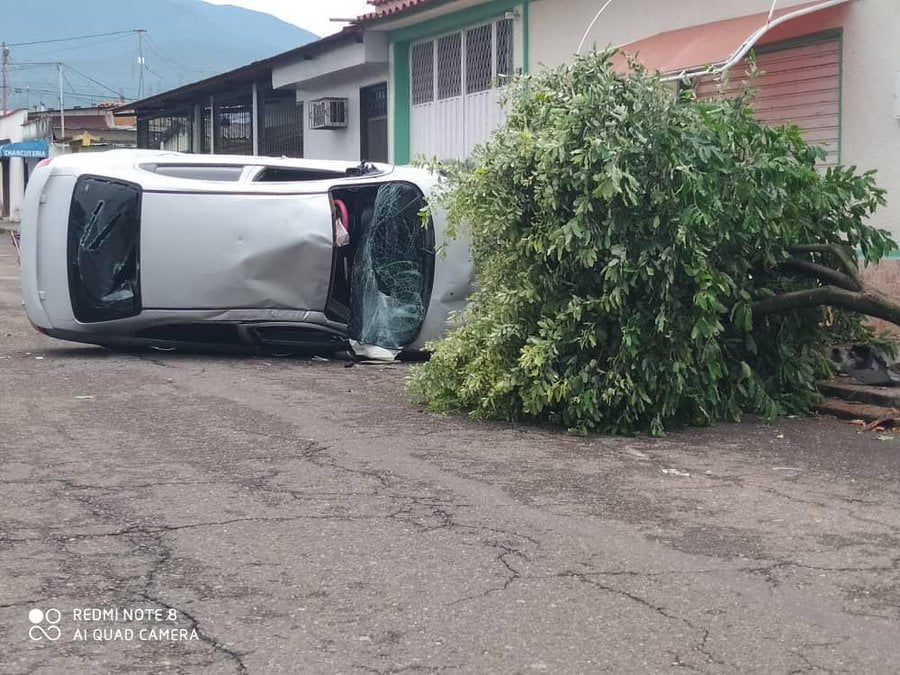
<point x="132" y="248"/>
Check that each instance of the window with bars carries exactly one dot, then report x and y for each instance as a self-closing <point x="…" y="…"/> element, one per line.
<point x="233" y="128"/>
<point x="172" y="132"/>
<point x="280" y="124"/>
<point x="206" y="124"/>
<point x="472" y="60"/>
<point x="479" y="69"/>
<point x="504" y="48"/>
<point x="449" y="55"/>
<point x="376" y="102"/>
<point x="422" y="72"/>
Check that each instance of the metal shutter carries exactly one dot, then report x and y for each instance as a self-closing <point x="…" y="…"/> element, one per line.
<point x="801" y="85"/>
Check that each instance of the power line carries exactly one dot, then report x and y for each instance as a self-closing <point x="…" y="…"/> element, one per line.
<point x="97" y="82"/>
<point x="69" y="94"/>
<point x="179" y="69"/>
<point x="68" y="39"/>
<point x="73" y="48"/>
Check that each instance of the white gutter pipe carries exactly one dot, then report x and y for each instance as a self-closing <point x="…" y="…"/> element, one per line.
<point x="751" y="41"/>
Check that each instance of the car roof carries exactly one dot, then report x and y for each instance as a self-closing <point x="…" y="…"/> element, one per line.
<point x="135" y="166"/>
<point x="126" y="158"/>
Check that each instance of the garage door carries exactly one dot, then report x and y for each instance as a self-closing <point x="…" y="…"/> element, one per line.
<point x="800" y="85"/>
<point x="455" y="82"/>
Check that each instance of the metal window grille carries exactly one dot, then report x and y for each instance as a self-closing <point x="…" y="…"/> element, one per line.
<point x="328" y="113"/>
<point x="449" y="66"/>
<point x="234" y="126"/>
<point x="206" y="118"/>
<point x="422" y="72"/>
<point x="280" y="125"/>
<point x="376" y="102"/>
<point x="479" y="58"/>
<point x="504" y="48"/>
<point x="166" y="132"/>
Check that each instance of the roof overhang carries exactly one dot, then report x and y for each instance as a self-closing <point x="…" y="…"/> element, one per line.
<point x="715" y="47"/>
<point x="365" y="56"/>
<point x="243" y="77"/>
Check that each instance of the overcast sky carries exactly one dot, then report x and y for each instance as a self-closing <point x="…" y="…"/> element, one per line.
<point x="313" y="15"/>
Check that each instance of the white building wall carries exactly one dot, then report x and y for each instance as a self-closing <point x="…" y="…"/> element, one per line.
<point x="342" y="144"/>
<point x="12" y="127"/>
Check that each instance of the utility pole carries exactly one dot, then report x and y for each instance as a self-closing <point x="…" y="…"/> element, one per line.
<point x="5" y="50"/>
<point x="62" y="108"/>
<point x="140" y="33"/>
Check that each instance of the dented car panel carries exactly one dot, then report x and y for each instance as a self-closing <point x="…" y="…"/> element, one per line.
<point x="130" y="248"/>
<point x="236" y="251"/>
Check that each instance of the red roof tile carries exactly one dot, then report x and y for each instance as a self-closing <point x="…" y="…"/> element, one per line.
<point x="385" y="8"/>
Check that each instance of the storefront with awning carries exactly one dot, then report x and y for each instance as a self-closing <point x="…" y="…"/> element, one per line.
<point x="797" y="51"/>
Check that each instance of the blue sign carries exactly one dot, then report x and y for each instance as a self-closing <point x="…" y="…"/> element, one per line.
<point x="39" y="148"/>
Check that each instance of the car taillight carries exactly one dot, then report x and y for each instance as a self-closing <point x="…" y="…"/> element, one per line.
<point x="44" y="162"/>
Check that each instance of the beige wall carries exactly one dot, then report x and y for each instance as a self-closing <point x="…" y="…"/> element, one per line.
<point x="870" y="132"/>
<point x="557" y="26"/>
<point x="871" y="59"/>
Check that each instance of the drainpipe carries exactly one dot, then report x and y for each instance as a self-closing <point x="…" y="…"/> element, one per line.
<point x="751" y="41"/>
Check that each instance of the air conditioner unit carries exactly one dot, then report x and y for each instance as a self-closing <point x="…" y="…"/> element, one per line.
<point x="328" y="113"/>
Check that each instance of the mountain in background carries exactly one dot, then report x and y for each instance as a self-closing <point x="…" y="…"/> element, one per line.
<point x="186" y="40"/>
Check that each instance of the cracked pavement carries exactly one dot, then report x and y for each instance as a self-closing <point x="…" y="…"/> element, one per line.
<point x="302" y="516"/>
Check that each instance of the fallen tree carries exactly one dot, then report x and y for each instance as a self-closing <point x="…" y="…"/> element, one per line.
<point x="646" y="260"/>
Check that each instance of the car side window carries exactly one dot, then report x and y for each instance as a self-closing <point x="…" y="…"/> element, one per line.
<point x="224" y="172"/>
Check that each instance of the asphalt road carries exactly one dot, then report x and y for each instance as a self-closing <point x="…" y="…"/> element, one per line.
<point x="300" y="516"/>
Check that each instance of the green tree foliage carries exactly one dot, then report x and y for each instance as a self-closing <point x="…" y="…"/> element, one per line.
<point x="621" y="235"/>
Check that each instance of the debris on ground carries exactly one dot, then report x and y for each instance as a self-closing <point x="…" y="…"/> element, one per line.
<point x="867" y="364"/>
<point x="872" y="408"/>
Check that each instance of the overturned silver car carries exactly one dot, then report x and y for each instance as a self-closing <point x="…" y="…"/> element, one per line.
<point x="130" y="247"/>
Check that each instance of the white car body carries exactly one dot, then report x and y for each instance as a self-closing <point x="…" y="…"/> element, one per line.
<point x="134" y="247"/>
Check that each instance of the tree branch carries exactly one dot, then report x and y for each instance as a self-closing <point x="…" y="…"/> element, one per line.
<point x="871" y="303"/>
<point x="822" y="273"/>
<point x="838" y="251"/>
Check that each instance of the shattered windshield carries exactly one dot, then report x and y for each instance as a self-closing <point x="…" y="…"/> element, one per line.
<point x="103" y="247"/>
<point x="392" y="270"/>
